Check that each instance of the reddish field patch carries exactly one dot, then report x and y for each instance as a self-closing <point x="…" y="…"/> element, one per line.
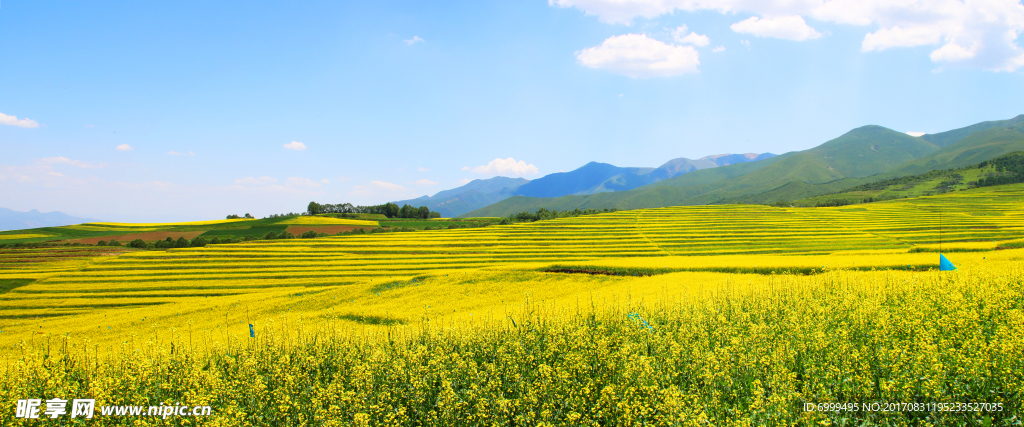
<point x="329" y="229"/>
<point x="148" y="237"/>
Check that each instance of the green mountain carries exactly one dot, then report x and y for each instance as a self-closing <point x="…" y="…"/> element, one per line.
<point x="473" y="195"/>
<point x="972" y="149"/>
<point x="1005" y="169"/>
<point x="860" y="156"/>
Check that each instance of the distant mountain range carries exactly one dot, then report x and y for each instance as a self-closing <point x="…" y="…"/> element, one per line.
<point x="14" y="220"/>
<point x="592" y="178"/>
<point x="862" y="155"/>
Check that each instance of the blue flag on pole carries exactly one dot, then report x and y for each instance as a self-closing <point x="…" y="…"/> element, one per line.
<point x="252" y="331"/>
<point x="944" y="264"/>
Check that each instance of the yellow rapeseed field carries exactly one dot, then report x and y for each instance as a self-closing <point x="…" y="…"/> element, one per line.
<point x="324" y="220"/>
<point x="709" y="315"/>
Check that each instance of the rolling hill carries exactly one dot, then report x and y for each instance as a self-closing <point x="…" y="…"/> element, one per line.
<point x="592" y="178"/>
<point x="865" y="154"/>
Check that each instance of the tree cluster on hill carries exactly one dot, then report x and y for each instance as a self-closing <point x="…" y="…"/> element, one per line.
<point x="238" y="217"/>
<point x="544" y="214"/>
<point x="390" y="210"/>
<point x="1009" y="170"/>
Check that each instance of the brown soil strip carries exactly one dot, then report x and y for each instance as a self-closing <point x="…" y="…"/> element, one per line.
<point x="148" y="237"/>
<point x="329" y="229"/>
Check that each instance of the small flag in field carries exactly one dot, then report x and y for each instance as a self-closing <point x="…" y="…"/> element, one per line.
<point x="944" y="264"/>
<point x="252" y="331"/>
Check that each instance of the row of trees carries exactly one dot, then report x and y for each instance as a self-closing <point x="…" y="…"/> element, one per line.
<point x="238" y="217"/>
<point x="390" y="210"/>
<point x="543" y="214"/>
<point x="1009" y="170"/>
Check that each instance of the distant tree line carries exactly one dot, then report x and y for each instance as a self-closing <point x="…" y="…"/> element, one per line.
<point x="544" y="214"/>
<point x="1009" y="170"/>
<point x="390" y="210"/>
<point x="238" y="217"/>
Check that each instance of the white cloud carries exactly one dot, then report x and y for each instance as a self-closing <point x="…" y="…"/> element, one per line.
<point x="263" y="180"/>
<point x="325" y="181"/>
<point x="295" y="145"/>
<point x="915" y="133"/>
<point x="425" y="182"/>
<point x="53" y="173"/>
<point x="423" y="169"/>
<point x="175" y="153"/>
<point x="692" y="38"/>
<point x="974" y="33"/>
<point x="465" y="181"/>
<point x="718" y="49"/>
<point x="387" y="186"/>
<point x="951" y="52"/>
<point x="301" y="182"/>
<point x="639" y="56"/>
<point x="75" y="163"/>
<point x="507" y="166"/>
<point x="414" y="40"/>
<point x="123" y="147"/>
<point x="14" y="121"/>
<point x="897" y="36"/>
<point x="785" y="27"/>
<point x="745" y="43"/>
<point x="465" y="168"/>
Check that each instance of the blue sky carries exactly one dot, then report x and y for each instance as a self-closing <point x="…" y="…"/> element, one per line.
<point x="147" y="111"/>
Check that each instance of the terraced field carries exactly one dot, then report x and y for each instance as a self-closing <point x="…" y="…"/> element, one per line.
<point x="970" y="220"/>
<point x="672" y="316"/>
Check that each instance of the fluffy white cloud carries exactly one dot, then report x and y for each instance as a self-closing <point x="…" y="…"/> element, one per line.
<point x="680" y="36"/>
<point x="639" y="56"/>
<point x="507" y="166"/>
<point x="951" y="52"/>
<point x="425" y="182"/>
<point x="301" y="182"/>
<point x="718" y="49"/>
<point x="423" y="169"/>
<point x="14" y="121"/>
<point x="785" y="27"/>
<point x="263" y="180"/>
<point x="295" y="145"/>
<point x="66" y="161"/>
<point x="976" y="33"/>
<point x="915" y="133"/>
<point x="123" y="147"/>
<point x="325" y="181"/>
<point x="897" y="36"/>
<point x="414" y="40"/>
<point x="175" y="153"/>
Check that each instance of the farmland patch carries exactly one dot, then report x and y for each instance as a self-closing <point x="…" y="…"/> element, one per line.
<point x="149" y="237"/>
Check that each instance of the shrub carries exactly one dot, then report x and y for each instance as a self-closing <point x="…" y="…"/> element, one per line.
<point x="101" y="243"/>
<point x="198" y="242"/>
<point x="113" y="242"/>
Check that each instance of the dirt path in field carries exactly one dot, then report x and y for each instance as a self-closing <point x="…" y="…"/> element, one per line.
<point x="148" y="237"/>
<point x="329" y="229"/>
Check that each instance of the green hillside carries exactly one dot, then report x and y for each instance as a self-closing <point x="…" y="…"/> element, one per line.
<point x="864" y="151"/>
<point x="966" y="152"/>
<point x="861" y="156"/>
<point x="1006" y="169"/>
<point x="945" y="139"/>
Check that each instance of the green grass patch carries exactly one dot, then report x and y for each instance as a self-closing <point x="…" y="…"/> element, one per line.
<point x="372" y="320"/>
<point x="7" y="285"/>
